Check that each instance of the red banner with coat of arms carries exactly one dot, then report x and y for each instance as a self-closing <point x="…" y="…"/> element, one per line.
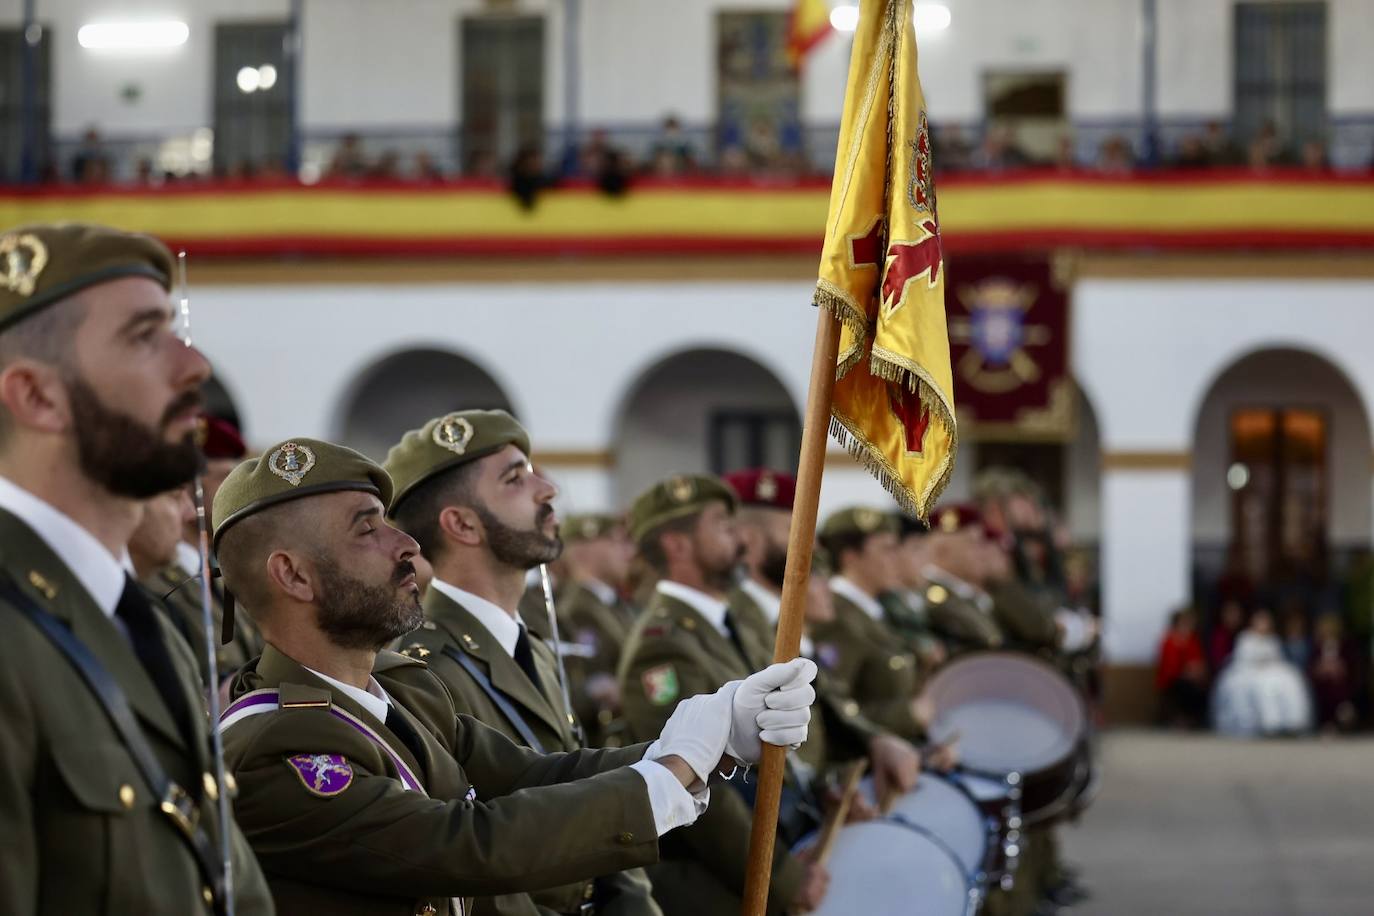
<point x="1009" y="346"/>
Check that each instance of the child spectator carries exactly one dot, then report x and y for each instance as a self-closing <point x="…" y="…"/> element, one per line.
<point x="1181" y="675"/>
<point x="1222" y="639"/>
<point x="1332" y="674"/>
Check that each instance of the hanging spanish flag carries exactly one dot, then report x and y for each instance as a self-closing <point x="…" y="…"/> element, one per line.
<point x="882" y="271"/>
<point x="808" y="23"/>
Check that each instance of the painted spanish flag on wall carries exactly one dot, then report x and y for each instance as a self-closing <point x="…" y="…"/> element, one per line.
<point x="882" y="271"/>
<point x="808" y="23"/>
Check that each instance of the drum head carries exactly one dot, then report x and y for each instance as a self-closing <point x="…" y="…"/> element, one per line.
<point x="944" y="810"/>
<point x="1012" y="713"/>
<point x="882" y="867"/>
<point x="983" y="788"/>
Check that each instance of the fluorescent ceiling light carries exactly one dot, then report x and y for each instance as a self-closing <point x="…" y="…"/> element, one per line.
<point x="133" y="36"/>
<point x="844" y="18"/>
<point x="930" y="17"/>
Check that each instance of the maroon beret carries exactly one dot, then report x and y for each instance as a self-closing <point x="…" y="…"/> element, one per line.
<point x="952" y="517"/>
<point x="220" y="439"/>
<point x="762" y="487"/>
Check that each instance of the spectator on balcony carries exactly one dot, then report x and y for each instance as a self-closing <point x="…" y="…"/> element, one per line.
<point x="527" y="176"/>
<point x="734" y="162"/>
<point x="952" y="148"/>
<point x="1065" y="155"/>
<point x="998" y="151"/>
<point x="387" y="167"/>
<point x="482" y="164"/>
<point x="91" y="164"/>
<point x="1313" y="157"/>
<point x="425" y="169"/>
<point x="671" y="153"/>
<point x="348" y="161"/>
<point x="1266" y="149"/>
<point x="1192" y="153"/>
<point x="1219" y="147"/>
<point x="1116" y="156"/>
<point x="145" y="174"/>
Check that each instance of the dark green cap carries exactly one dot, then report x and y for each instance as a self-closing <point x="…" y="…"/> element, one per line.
<point x="857" y="520"/>
<point x="676" y="497"/>
<point x="447" y="442"/>
<point x="44" y="263"/>
<point x="290" y="470"/>
<point x="588" y="526"/>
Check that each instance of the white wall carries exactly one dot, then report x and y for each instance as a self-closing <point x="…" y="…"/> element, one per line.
<point x="375" y="64"/>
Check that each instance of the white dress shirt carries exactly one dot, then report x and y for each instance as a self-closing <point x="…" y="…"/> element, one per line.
<point x="713" y="609"/>
<point x="101" y="573"/>
<point x="671" y="804"/>
<point x="603" y="592"/>
<point x="188" y="557"/>
<point x="374" y="699"/>
<point x="851" y="592"/>
<point x="771" y="605"/>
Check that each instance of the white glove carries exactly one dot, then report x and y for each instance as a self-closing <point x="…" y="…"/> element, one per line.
<point x="773" y="705"/>
<point x="697" y="731"/>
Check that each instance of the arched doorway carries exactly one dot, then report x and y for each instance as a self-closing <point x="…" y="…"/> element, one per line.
<point x="703" y="410"/>
<point x="403" y="390"/>
<point x="1281" y="500"/>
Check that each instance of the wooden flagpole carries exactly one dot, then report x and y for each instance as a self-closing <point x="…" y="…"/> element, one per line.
<point x="800" y="541"/>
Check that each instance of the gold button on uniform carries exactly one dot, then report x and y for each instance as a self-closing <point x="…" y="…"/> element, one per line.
<point x="127" y="796"/>
<point x="625" y="839"/>
<point x="231" y="784"/>
<point x="897" y="662"/>
<point x="851" y="709"/>
<point x="211" y="787"/>
<point x="208" y="896"/>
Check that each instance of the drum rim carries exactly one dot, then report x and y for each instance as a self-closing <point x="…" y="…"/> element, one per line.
<point x="969" y="879"/>
<point x="977" y="870"/>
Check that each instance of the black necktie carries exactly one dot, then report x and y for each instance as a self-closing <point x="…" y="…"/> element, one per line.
<point x="733" y="630"/>
<point x="136" y="612"/>
<point x="524" y="657"/>
<point x="399" y="727"/>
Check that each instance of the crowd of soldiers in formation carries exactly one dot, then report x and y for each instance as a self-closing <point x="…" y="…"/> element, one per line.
<point x="452" y="775"/>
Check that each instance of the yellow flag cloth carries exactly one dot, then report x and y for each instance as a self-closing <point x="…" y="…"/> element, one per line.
<point x="808" y="23"/>
<point x="882" y="271"/>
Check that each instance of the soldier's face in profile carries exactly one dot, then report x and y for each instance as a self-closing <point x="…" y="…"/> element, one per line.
<point x="515" y="506"/>
<point x="133" y="390"/>
<point x="716" y="545"/>
<point x="879" y="561"/>
<point x="365" y="577"/>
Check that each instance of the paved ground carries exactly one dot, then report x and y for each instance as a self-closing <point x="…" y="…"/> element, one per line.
<point x="1202" y="826"/>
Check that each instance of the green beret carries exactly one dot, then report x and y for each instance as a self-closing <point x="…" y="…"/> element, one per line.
<point x="676" y="497"/>
<point x="588" y="526"/>
<point x="447" y="442"/>
<point x="857" y="520"/>
<point x="41" y="264"/>
<point x="290" y="470"/>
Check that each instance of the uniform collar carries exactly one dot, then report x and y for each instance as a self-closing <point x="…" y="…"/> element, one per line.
<point x="188" y="558"/>
<point x="857" y="596"/>
<point x="964" y="589"/>
<point x="374" y="699"/>
<point x="504" y="628"/>
<point x="603" y="592"/>
<point x="761" y="595"/>
<point x="100" y="572"/>
<point x="712" y="609"/>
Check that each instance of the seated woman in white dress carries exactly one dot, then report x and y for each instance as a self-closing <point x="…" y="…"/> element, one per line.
<point x="1259" y="692"/>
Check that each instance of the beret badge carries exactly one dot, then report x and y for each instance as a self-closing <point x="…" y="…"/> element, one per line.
<point x="291" y="462"/>
<point x="453" y="433"/>
<point x="22" y="259"/>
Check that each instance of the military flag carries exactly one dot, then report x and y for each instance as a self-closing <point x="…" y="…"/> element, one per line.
<point x="882" y="270"/>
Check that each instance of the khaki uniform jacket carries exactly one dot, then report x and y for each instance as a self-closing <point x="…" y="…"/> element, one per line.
<point x="839" y="731"/>
<point x="178" y="591"/>
<point x="79" y="829"/>
<point x="494" y="818"/>
<point x="451" y="626"/>
<point x="959" y="621"/>
<point x="1025" y="617"/>
<point x="600" y="631"/>
<point x="673" y="652"/>
<point x="871" y="664"/>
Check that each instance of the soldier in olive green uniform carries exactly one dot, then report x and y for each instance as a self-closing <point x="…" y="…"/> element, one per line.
<point x="686" y="642"/>
<point x="857" y="648"/>
<point x="960" y="611"/>
<point x="472" y="638"/>
<point x="361" y="787"/>
<point x="595" y="619"/>
<point x="82" y="828"/>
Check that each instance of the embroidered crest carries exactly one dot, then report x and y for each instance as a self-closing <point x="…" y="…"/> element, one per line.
<point x="453" y="433"/>
<point x="681" y="489"/>
<point x="291" y="462"/>
<point x="828" y="654"/>
<point x="767" y="488"/>
<point x="22" y="259"/>
<point x="325" y="775"/>
<point x="471" y="794"/>
<point x="868" y="519"/>
<point x="661" y="685"/>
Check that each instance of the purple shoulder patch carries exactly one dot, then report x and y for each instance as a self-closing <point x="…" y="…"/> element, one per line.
<point x="828" y="654"/>
<point x="325" y="775"/>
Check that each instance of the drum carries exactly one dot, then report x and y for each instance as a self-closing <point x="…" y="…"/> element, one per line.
<point x="1000" y="803"/>
<point x="893" y="869"/>
<point x="1016" y="718"/>
<point x="945" y="809"/>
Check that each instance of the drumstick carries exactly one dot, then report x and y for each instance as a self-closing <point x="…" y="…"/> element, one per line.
<point x="831" y="829"/>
